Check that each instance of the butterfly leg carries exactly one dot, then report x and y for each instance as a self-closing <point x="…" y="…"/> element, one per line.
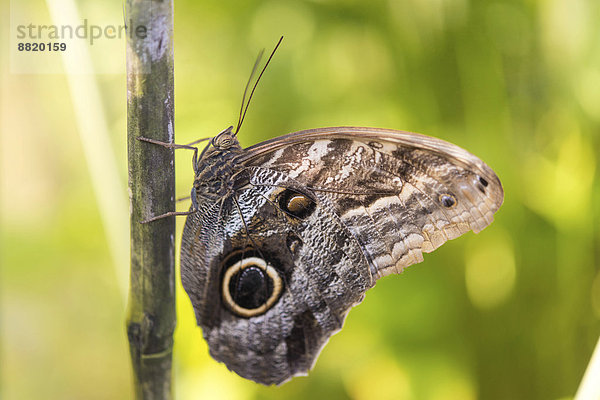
<point x="169" y="214"/>
<point x="176" y="146"/>
<point x="176" y="213"/>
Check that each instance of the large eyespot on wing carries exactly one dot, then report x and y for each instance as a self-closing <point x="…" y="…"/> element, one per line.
<point x="278" y="281"/>
<point x="399" y="193"/>
<point x="250" y="286"/>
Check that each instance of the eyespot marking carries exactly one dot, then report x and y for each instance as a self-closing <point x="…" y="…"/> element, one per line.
<point x="250" y="287"/>
<point x="447" y="200"/>
<point x="296" y="204"/>
<point x="481" y="184"/>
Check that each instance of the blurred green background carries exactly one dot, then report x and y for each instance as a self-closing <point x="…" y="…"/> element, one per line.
<point x="511" y="313"/>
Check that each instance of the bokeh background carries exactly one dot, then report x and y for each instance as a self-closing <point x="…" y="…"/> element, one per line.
<point x="511" y="313"/>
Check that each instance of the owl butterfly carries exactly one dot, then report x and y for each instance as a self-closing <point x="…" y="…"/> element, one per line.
<point x="283" y="238"/>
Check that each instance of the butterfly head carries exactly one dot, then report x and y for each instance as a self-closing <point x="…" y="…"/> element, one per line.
<point x="220" y="146"/>
<point x="225" y="140"/>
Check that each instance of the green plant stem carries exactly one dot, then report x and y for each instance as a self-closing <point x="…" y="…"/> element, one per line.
<point x="151" y="308"/>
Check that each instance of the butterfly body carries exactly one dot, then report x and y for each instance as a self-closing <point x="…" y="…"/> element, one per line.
<point x="288" y="235"/>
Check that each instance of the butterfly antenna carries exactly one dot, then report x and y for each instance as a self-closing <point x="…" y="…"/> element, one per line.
<point x="243" y="114"/>
<point x="254" y="68"/>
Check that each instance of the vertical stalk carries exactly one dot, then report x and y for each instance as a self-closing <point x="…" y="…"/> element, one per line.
<point x="151" y="308"/>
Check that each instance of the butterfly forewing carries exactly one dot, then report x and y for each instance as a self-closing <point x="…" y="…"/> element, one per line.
<point x="399" y="193"/>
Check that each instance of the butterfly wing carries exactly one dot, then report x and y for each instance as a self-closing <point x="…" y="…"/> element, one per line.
<point x="399" y="193"/>
<point x="315" y="219"/>
<point x="321" y="270"/>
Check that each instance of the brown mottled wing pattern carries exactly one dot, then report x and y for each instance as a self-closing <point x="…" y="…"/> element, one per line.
<point x="323" y="269"/>
<point x="393" y="190"/>
<point x="331" y="211"/>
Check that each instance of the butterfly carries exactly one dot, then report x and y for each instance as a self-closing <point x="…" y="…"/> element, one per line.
<point x="283" y="238"/>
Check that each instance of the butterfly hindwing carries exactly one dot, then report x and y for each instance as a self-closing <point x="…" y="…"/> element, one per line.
<point x="323" y="273"/>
